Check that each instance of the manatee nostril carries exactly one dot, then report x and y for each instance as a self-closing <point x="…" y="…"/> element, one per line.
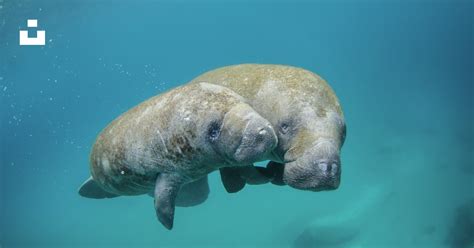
<point x="324" y="166"/>
<point x="335" y="168"/>
<point x="328" y="167"/>
<point x="260" y="135"/>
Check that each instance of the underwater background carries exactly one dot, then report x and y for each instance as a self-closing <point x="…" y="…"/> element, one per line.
<point x="403" y="71"/>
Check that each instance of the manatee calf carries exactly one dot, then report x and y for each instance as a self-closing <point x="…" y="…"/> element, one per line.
<point x="175" y="139"/>
<point x="306" y="116"/>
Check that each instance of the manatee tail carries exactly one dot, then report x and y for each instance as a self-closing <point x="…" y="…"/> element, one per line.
<point x="91" y="189"/>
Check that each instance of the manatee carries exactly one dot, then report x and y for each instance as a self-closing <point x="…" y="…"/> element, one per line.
<point x="306" y="116"/>
<point x="461" y="231"/>
<point x="348" y="227"/>
<point x="172" y="141"/>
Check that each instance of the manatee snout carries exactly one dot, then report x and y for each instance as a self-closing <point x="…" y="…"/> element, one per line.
<point x="258" y="139"/>
<point x="317" y="170"/>
<point x="246" y="136"/>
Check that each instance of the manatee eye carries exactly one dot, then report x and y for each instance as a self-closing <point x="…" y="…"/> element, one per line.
<point x="213" y="130"/>
<point x="284" y="128"/>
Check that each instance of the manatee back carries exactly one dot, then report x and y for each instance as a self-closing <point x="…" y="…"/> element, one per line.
<point x="112" y="164"/>
<point x="265" y="81"/>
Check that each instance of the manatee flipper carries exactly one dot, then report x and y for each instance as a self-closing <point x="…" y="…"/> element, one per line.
<point x="91" y="189"/>
<point x="193" y="193"/>
<point x="255" y="175"/>
<point x="275" y="171"/>
<point x="230" y="177"/>
<point x="235" y="178"/>
<point x="166" y="189"/>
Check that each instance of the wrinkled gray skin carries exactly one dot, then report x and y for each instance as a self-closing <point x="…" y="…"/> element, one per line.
<point x="172" y="141"/>
<point x="306" y="115"/>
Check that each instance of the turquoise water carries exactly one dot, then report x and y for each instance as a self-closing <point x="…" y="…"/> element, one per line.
<point x="403" y="72"/>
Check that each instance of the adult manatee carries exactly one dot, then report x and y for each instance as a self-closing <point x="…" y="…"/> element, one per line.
<point x="306" y="116"/>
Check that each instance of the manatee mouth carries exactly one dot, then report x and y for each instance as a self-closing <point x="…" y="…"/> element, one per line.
<point x="320" y="177"/>
<point x="278" y="158"/>
<point x="316" y="170"/>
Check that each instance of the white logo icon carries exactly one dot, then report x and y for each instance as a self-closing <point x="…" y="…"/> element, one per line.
<point x="40" y="38"/>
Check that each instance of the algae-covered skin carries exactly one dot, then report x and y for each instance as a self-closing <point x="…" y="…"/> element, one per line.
<point x="306" y="115"/>
<point x="175" y="139"/>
